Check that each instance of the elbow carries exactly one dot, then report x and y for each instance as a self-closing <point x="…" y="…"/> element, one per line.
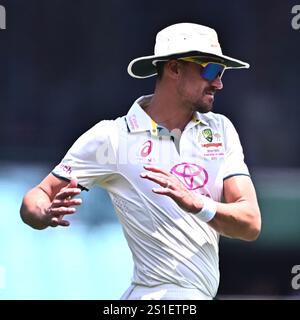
<point x="254" y="228"/>
<point x="253" y="234"/>
<point x="23" y="213"/>
<point x="29" y="218"/>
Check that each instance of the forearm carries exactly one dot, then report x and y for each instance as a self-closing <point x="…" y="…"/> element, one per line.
<point x="239" y="220"/>
<point x="33" y="208"/>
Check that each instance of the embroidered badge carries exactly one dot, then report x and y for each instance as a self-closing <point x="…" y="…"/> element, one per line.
<point x="207" y="134"/>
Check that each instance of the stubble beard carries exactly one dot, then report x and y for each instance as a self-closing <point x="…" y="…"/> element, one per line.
<point x="206" y="103"/>
<point x="203" y="107"/>
<point x="203" y="104"/>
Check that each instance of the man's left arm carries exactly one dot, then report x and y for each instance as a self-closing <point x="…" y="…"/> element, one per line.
<point x="240" y="216"/>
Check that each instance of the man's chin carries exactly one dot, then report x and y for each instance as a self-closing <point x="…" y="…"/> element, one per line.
<point x="204" y="108"/>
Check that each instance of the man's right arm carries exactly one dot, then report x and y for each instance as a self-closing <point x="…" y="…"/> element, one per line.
<point x="46" y="204"/>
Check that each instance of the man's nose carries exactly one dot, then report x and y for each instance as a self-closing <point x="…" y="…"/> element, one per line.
<point x="217" y="83"/>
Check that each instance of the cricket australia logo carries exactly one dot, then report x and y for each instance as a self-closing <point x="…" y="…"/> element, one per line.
<point x="207" y="134"/>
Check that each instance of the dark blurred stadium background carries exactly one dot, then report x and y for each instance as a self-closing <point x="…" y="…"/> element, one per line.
<point x="63" y="68"/>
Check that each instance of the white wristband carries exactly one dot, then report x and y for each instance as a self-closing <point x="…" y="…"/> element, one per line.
<point x="208" y="211"/>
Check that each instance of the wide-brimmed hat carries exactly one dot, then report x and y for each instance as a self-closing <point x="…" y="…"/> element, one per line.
<point x="183" y="40"/>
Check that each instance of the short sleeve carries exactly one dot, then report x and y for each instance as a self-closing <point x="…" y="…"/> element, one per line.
<point x="92" y="158"/>
<point x="234" y="155"/>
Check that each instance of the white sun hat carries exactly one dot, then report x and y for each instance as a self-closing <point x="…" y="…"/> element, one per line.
<point x="183" y="40"/>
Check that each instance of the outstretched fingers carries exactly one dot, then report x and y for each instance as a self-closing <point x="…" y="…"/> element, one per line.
<point x="158" y="178"/>
<point x="158" y="170"/>
<point x="63" y="203"/>
<point x="68" y="202"/>
<point x="67" y="192"/>
<point x="169" y="185"/>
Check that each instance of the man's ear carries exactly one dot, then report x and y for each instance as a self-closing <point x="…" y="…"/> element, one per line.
<point x="172" y="68"/>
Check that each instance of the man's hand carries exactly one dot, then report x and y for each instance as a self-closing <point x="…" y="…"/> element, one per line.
<point x="172" y="187"/>
<point x="62" y="205"/>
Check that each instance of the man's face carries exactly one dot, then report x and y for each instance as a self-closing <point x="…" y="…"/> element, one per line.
<point x="195" y="91"/>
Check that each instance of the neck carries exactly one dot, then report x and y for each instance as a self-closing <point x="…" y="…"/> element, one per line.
<point x="166" y="109"/>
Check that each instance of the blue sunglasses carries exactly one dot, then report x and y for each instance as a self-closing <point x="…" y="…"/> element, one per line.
<point x="210" y="71"/>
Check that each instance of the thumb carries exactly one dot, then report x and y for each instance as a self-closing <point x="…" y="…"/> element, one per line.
<point x="73" y="183"/>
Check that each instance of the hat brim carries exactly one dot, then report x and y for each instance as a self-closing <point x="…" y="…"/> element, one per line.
<point x="145" y="67"/>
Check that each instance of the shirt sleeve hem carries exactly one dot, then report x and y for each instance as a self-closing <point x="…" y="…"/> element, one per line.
<point x="236" y="174"/>
<point x="68" y="180"/>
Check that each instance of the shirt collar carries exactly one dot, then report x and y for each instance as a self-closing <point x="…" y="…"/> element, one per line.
<point x="138" y="120"/>
<point x="200" y="118"/>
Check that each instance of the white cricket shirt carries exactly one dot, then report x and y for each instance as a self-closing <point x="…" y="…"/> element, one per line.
<point x="168" y="244"/>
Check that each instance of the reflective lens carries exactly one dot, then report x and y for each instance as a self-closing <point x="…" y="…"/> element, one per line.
<point x="212" y="70"/>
